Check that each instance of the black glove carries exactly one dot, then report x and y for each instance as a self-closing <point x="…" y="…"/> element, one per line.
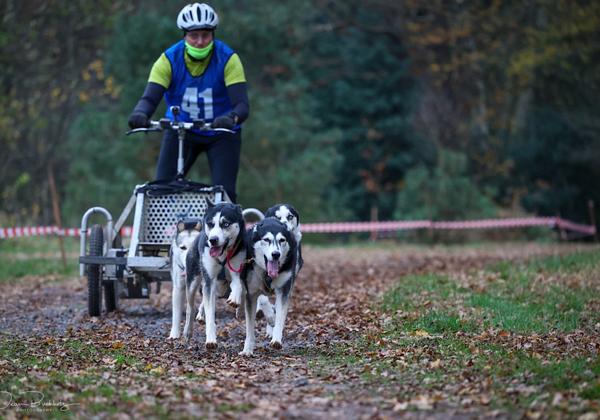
<point x="138" y="120"/>
<point x="224" y="121"/>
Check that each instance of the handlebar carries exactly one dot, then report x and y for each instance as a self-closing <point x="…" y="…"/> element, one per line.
<point x="180" y="127"/>
<point x="167" y="124"/>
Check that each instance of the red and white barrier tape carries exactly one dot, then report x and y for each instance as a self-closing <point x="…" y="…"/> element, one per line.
<point x="353" y="227"/>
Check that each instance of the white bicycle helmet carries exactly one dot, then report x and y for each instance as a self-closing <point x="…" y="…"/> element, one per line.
<point x="197" y="16"/>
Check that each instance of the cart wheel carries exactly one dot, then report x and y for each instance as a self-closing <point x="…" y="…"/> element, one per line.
<point x="94" y="271"/>
<point x="110" y="287"/>
<point x="110" y="297"/>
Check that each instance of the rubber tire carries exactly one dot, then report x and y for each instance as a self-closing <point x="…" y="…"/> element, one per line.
<point x="94" y="271"/>
<point x="110" y="297"/>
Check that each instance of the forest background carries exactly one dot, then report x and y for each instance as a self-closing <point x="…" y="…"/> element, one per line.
<point x="416" y="109"/>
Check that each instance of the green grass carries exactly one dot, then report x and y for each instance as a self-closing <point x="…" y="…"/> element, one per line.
<point x="558" y="309"/>
<point x="432" y="329"/>
<point x="514" y="303"/>
<point x="233" y="408"/>
<point x="54" y="367"/>
<point x="37" y="256"/>
<point x="518" y="304"/>
<point x="37" y="244"/>
<point x="413" y="291"/>
<point x="436" y="322"/>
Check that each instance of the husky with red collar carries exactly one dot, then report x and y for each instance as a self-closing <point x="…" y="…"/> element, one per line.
<point x="272" y="249"/>
<point x="219" y="246"/>
<point x="187" y="232"/>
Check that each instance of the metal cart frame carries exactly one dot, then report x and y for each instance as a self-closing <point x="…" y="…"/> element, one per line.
<point x="129" y="272"/>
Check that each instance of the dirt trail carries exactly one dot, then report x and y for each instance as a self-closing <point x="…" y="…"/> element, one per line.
<point x="334" y="303"/>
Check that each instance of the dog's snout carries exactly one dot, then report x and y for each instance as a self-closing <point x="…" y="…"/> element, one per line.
<point x="276" y="255"/>
<point x="214" y="241"/>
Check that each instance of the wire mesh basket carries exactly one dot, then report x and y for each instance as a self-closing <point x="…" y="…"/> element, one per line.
<point x="161" y="214"/>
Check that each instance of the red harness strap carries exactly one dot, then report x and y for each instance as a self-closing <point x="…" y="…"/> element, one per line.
<point x="228" y="259"/>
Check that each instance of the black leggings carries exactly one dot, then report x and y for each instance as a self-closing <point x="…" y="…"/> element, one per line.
<point x="222" y="151"/>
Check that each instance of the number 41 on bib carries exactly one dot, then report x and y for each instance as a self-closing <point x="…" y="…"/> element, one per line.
<point x="191" y="100"/>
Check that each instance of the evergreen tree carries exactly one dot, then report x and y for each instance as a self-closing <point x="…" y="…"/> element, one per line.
<point x="365" y="89"/>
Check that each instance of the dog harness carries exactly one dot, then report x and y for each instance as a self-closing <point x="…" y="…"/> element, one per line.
<point x="230" y="254"/>
<point x="267" y="282"/>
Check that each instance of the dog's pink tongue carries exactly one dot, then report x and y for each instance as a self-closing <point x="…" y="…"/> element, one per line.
<point x="215" y="251"/>
<point x="273" y="268"/>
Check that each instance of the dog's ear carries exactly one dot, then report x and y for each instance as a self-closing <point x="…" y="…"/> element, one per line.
<point x="238" y="208"/>
<point x="270" y="211"/>
<point x="209" y="204"/>
<point x="294" y="212"/>
<point x="255" y="236"/>
<point x="180" y="226"/>
<point x="198" y="226"/>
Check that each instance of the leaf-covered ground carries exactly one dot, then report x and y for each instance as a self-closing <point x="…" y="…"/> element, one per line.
<point x="373" y="332"/>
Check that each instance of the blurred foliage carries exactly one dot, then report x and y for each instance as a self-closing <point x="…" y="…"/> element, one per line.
<point x="446" y="192"/>
<point x="415" y="108"/>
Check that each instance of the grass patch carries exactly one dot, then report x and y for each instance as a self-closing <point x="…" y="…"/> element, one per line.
<point x="56" y="367"/>
<point x="570" y="263"/>
<point x="436" y="322"/>
<point x="557" y="374"/>
<point x="13" y="270"/>
<point x="558" y="309"/>
<point x="233" y="408"/>
<point x="413" y="291"/>
<point x="36" y="256"/>
<point x="591" y="392"/>
<point x="37" y="245"/>
<point x="514" y="302"/>
<point x="520" y="304"/>
<point x="431" y="335"/>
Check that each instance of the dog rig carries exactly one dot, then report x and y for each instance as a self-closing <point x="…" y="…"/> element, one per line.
<point x="128" y="272"/>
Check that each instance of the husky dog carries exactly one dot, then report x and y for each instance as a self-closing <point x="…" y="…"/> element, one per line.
<point x="288" y="215"/>
<point x="273" y="252"/>
<point x="187" y="232"/>
<point x="220" y="245"/>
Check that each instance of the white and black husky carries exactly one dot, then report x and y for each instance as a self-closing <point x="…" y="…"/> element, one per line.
<point x="220" y="245"/>
<point x="273" y="252"/>
<point x="288" y="215"/>
<point x="187" y="232"/>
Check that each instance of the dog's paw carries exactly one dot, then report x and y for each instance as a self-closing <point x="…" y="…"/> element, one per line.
<point x="269" y="331"/>
<point x="246" y="353"/>
<point x="264" y="308"/>
<point x="174" y="336"/>
<point x="234" y="300"/>
<point x="211" y="345"/>
<point x="276" y="345"/>
<point x="233" y="304"/>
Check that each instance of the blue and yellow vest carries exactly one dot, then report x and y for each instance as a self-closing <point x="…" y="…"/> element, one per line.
<point x="203" y="97"/>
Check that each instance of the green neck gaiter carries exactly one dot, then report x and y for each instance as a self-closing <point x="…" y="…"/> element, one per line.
<point x="198" y="53"/>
